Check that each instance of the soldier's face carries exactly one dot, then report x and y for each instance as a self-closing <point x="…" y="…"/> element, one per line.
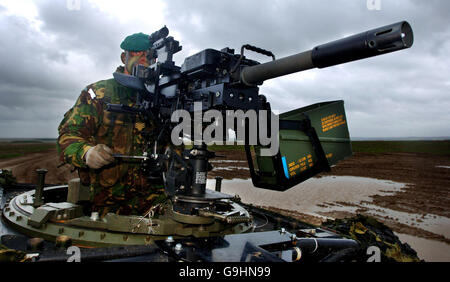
<point x="136" y="58"/>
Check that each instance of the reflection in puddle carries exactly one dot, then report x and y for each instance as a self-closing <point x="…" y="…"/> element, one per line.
<point x="428" y="250"/>
<point x="315" y="191"/>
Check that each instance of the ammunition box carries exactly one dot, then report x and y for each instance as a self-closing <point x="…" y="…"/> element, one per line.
<point x="311" y="139"/>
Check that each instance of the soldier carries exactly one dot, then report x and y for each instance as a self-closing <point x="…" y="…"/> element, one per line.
<point x="89" y="135"/>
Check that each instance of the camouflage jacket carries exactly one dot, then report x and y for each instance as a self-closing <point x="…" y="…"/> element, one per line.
<point x="120" y="186"/>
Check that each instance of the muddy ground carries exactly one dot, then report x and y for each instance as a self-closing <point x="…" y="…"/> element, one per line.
<point x="427" y="179"/>
<point x="24" y="167"/>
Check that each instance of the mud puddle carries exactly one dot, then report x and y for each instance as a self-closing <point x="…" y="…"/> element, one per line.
<point x="312" y="193"/>
<point x="428" y="250"/>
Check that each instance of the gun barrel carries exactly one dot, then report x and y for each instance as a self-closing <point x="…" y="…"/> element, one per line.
<point x="367" y="44"/>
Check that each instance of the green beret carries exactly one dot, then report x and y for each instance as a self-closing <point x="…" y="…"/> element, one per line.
<point x="136" y="42"/>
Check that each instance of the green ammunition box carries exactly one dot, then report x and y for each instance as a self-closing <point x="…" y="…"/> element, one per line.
<point x="311" y="139"/>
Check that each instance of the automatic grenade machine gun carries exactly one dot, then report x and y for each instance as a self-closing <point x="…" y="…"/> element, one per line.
<point x="310" y="139"/>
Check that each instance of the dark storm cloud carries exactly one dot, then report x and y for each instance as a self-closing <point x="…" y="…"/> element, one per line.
<point x="405" y="93"/>
<point x="88" y="30"/>
<point x="45" y="66"/>
<point x="399" y="94"/>
<point x="39" y="57"/>
<point x="287" y="26"/>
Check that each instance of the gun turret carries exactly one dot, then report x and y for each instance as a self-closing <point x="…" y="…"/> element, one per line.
<point x="310" y="139"/>
<point x="367" y="44"/>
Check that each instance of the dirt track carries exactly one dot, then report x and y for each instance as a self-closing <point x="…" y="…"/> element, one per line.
<point x="23" y="168"/>
<point x="428" y="182"/>
<point x="427" y="178"/>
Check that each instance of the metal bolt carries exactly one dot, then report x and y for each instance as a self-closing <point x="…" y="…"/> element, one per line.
<point x="169" y="239"/>
<point x="218" y="183"/>
<point x="94" y="216"/>
<point x="231" y="95"/>
<point x="283" y="231"/>
<point x="312" y="231"/>
<point x="217" y="94"/>
<point x="35" y="244"/>
<point x="38" y="194"/>
<point x="178" y="248"/>
<point x="63" y="242"/>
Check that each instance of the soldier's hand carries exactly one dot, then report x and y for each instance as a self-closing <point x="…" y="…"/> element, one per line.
<point x="99" y="156"/>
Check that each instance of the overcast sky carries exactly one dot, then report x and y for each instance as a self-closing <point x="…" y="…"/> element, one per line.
<point x="50" y="50"/>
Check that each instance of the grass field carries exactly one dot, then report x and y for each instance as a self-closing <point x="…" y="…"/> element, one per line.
<point x="378" y="147"/>
<point x="430" y="147"/>
<point x="13" y="149"/>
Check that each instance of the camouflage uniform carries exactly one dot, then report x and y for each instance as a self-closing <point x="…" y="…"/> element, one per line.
<point x="121" y="186"/>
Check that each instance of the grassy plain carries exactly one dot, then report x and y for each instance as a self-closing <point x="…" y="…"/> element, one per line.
<point x="429" y="147"/>
<point x="379" y="147"/>
<point x="17" y="148"/>
<point x="14" y="149"/>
